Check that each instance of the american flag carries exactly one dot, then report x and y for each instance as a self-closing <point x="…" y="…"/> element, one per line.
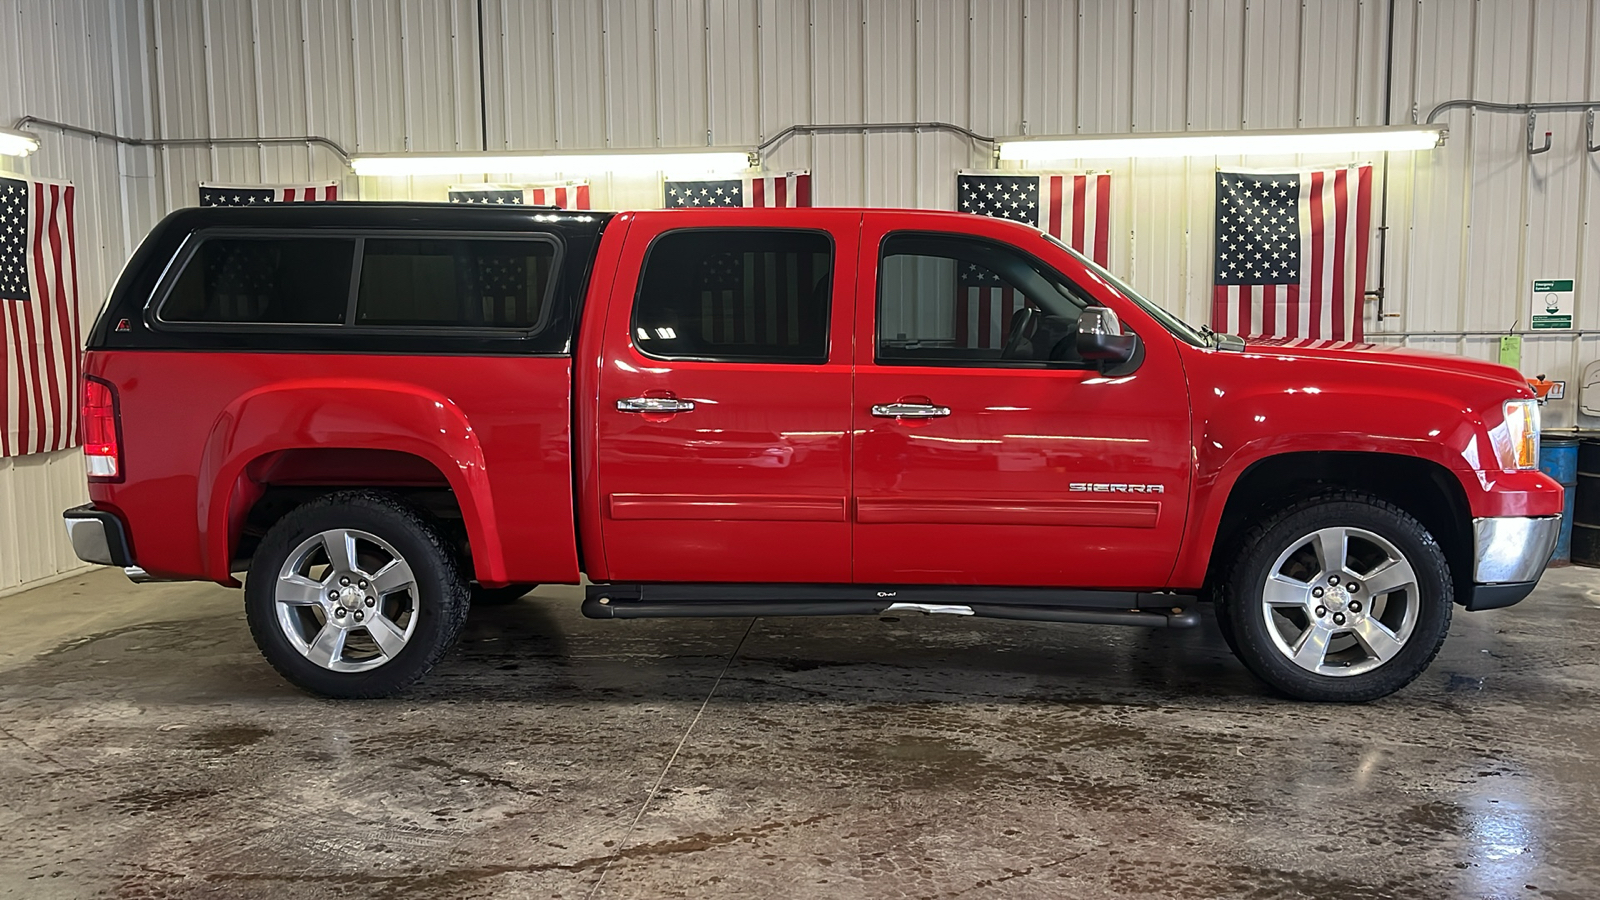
<point x="563" y="196"/>
<point x="1292" y="253"/>
<point x="756" y="297"/>
<point x="784" y="190"/>
<point x="255" y="194"/>
<point x="39" y="331"/>
<point x="985" y="304"/>
<point x="1074" y="208"/>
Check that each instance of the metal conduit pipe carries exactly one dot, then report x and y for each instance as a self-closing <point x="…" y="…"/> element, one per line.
<point x="869" y="127"/>
<point x="1572" y="106"/>
<point x="1533" y="110"/>
<point x="344" y="157"/>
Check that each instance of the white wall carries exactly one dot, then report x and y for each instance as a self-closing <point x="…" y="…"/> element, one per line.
<point x="1470" y="224"/>
<point x="66" y="60"/>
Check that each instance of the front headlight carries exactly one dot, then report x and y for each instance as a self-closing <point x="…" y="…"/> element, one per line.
<point x="1516" y="442"/>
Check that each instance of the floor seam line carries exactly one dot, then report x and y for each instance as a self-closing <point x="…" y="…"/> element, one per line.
<point x="650" y="797"/>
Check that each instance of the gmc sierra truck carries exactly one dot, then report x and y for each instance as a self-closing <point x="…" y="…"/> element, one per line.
<point x="382" y="413"/>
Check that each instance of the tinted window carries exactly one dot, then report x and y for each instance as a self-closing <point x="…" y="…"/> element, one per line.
<point x="946" y="300"/>
<point x="747" y="295"/>
<point x="300" y="281"/>
<point x="454" y="283"/>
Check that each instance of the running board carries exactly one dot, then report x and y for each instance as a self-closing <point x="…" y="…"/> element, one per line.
<point x="745" y="601"/>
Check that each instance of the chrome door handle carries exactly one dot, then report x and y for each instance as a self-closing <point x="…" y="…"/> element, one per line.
<point x="910" y="411"/>
<point x="654" y="405"/>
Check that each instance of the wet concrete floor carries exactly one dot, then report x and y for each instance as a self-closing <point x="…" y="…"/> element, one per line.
<point x="147" y="751"/>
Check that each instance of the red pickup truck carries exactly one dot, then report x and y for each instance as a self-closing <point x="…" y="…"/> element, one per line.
<point x="382" y="412"/>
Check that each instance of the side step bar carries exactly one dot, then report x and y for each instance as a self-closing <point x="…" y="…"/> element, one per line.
<point x="743" y="601"/>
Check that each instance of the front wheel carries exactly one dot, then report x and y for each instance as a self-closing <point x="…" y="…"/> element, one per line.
<point x="354" y="595"/>
<point x="1342" y="597"/>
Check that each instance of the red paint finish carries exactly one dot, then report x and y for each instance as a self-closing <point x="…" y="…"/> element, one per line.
<point x="751" y="484"/>
<point x="1365" y="398"/>
<point x="1039" y="477"/>
<point x="986" y="495"/>
<point x="495" y="428"/>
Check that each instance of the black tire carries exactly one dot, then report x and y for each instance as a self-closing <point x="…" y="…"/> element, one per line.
<point x="1219" y="608"/>
<point x="1242" y="610"/>
<point x="500" y="596"/>
<point x="435" y="600"/>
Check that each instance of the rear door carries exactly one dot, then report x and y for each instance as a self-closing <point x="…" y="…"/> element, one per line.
<point x="987" y="451"/>
<point x="724" y="398"/>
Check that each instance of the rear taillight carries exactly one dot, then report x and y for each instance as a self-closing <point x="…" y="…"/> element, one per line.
<point x="101" y="449"/>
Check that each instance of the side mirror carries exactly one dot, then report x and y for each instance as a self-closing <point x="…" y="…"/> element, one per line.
<point x="1100" y="337"/>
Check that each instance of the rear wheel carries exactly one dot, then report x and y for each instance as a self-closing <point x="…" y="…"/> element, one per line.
<point x="354" y="595"/>
<point x="1342" y="597"/>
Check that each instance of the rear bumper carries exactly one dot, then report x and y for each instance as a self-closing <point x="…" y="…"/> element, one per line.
<point x="1509" y="555"/>
<point x="97" y="536"/>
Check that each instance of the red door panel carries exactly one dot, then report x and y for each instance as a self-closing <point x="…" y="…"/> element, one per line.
<point x="752" y="483"/>
<point x="1037" y="476"/>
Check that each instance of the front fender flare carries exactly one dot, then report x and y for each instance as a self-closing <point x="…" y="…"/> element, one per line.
<point x="1251" y="429"/>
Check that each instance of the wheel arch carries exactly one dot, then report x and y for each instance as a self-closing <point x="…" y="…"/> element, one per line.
<point x="1424" y="489"/>
<point x="337" y="434"/>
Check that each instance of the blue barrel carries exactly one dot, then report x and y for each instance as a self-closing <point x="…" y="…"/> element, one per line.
<point x="1558" y="458"/>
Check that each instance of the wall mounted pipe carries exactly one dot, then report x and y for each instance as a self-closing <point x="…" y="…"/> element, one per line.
<point x="344" y="157"/>
<point x="870" y="127"/>
<point x="1566" y="106"/>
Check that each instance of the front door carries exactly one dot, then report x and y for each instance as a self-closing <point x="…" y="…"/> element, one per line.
<point x="724" y="407"/>
<point x="987" y="451"/>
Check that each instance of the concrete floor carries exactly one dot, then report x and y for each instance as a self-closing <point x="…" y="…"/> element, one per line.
<point x="147" y="751"/>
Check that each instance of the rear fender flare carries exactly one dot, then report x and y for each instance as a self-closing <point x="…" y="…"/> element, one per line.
<point x="371" y="414"/>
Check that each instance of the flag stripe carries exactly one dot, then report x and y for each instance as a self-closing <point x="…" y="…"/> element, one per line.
<point x="1341" y="226"/>
<point x="33" y="348"/>
<point x="1102" y="221"/>
<point x="1358" y="281"/>
<point x="758" y="192"/>
<point x="58" y="352"/>
<point x="1080" y="205"/>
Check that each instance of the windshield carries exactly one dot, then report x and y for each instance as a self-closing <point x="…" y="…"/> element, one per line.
<point x="1169" y="321"/>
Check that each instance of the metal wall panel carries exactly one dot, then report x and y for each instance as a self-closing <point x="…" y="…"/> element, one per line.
<point x="58" y="60"/>
<point x="1469" y="225"/>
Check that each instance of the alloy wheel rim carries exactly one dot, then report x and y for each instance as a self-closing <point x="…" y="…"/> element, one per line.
<point x="346" y="600"/>
<point x="1340" y="601"/>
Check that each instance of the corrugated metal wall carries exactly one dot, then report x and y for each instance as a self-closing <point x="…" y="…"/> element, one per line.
<point x="1471" y="224"/>
<point x="65" y="60"/>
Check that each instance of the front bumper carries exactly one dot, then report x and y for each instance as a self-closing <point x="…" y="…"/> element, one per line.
<point x="97" y="536"/>
<point x="1509" y="555"/>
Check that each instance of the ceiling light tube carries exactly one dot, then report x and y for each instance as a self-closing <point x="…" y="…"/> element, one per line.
<point x="17" y="143"/>
<point x="1225" y="143"/>
<point x="678" y="163"/>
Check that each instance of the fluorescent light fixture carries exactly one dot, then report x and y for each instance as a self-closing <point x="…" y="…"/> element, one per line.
<point x="680" y="163"/>
<point x="17" y="143"/>
<point x="1225" y="143"/>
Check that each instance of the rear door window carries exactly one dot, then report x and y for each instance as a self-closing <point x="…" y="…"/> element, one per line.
<point x="745" y="295"/>
<point x="273" y="281"/>
<point x="454" y="283"/>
